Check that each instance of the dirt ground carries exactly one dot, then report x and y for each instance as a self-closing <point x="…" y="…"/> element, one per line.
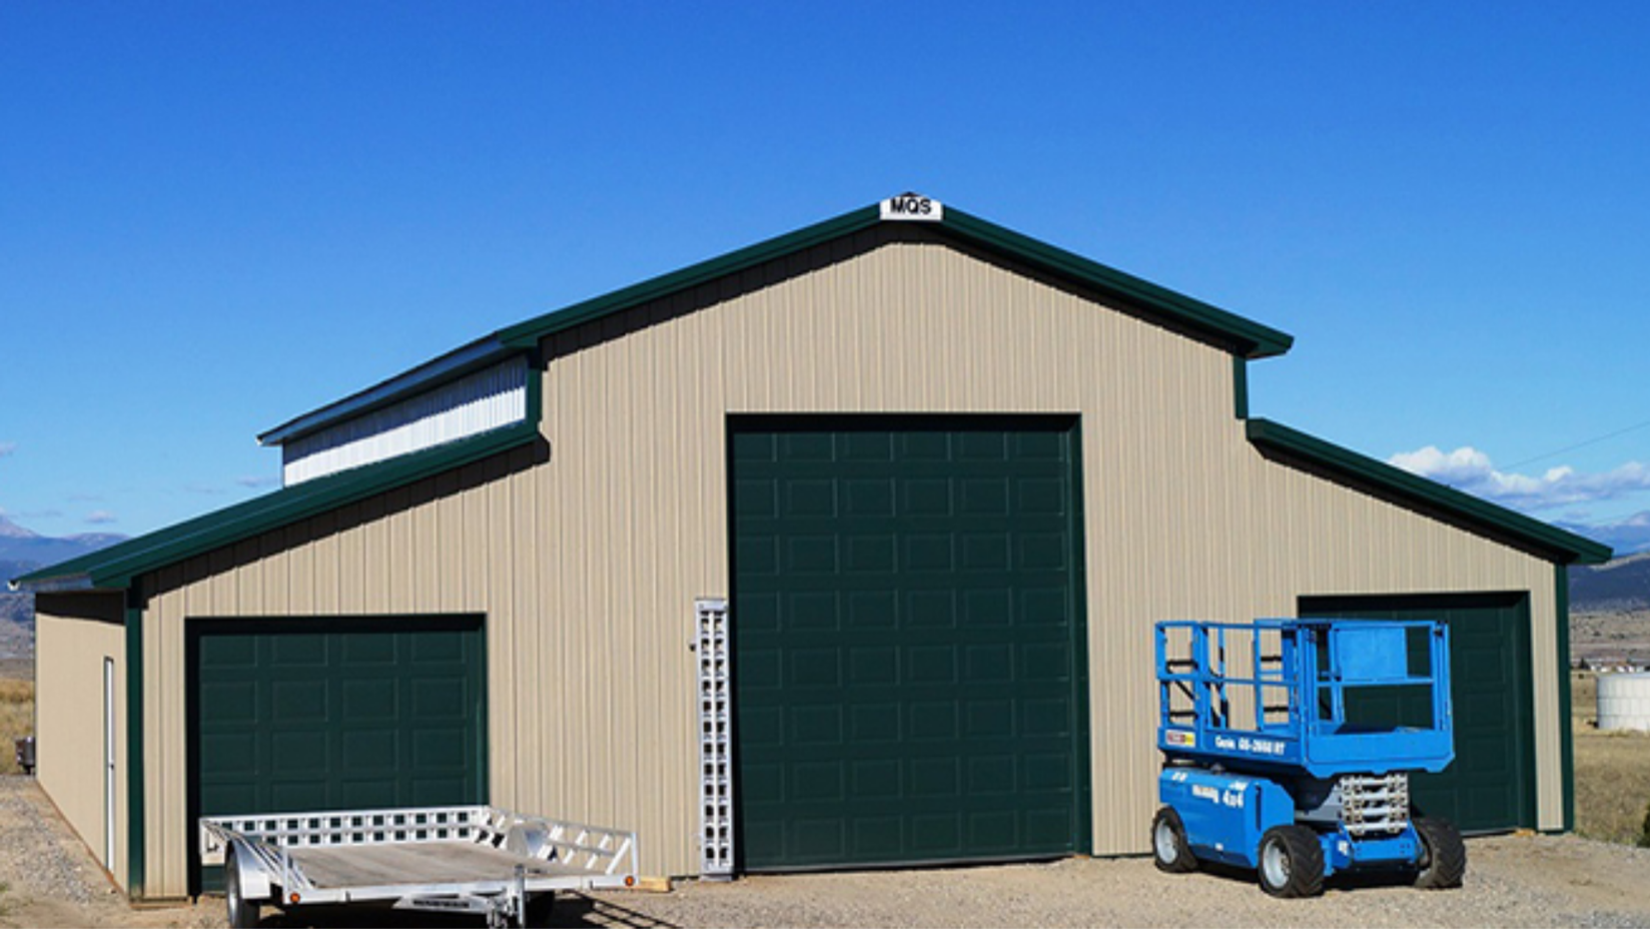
<point x="1611" y="636"/>
<point x="47" y="879"/>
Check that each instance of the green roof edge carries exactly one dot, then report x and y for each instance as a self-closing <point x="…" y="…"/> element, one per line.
<point x="1459" y="504"/>
<point x="116" y="566"/>
<point x="1259" y="340"/>
<point x="1255" y="339"/>
<point x="526" y="334"/>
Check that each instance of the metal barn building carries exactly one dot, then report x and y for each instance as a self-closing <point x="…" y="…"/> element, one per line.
<point x="945" y="476"/>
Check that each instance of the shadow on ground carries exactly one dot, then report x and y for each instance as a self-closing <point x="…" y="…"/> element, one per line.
<point x="571" y="911"/>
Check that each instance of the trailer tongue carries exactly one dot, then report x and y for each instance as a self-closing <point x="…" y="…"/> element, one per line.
<point x="473" y="859"/>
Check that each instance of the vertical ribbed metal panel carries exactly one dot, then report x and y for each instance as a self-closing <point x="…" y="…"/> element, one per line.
<point x="584" y="564"/>
<point x="70" y="649"/>
<point x="476" y="403"/>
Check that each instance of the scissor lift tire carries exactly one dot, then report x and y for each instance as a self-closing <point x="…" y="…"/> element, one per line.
<point x="1171" y="851"/>
<point x="1443" y="855"/>
<point x="1291" y="862"/>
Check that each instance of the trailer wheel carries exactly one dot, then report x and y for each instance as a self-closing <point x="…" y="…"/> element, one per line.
<point x="1291" y="862"/>
<point x="243" y="912"/>
<point x="1170" y="849"/>
<point x="1443" y="857"/>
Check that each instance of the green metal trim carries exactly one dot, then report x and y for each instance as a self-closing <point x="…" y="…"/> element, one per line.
<point x="1566" y="726"/>
<point x="535" y="391"/>
<point x="117" y="566"/>
<point x="136" y="835"/>
<point x="484" y="759"/>
<point x="1240" y="386"/>
<point x="1531" y="812"/>
<point x="528" y="333"/>
<point x="462" y="361"/>
<point x="1255" y="340"/>
<point x="1084" y="754"/>
<point x="1566" y="547"/>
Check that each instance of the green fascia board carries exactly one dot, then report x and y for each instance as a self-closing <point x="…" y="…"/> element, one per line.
<point x="116" y="566"/>
<point x="1257" y="340"/>
<point x="1254" y="340"/>
<point x="1544" y="537"/>
<point x="456" y="364"/>
<point x="527" y="334"/>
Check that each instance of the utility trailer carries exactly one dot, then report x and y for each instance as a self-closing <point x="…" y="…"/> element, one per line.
<point x="1288" y="746"/>
<point x="463" y="859"/>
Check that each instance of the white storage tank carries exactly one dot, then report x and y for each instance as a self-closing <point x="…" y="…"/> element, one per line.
<point x="1624" y="702"/>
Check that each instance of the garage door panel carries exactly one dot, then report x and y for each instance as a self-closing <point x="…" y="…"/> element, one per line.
<point x="322" y="714"/>
<point x="925" y="588"/>
<point x="1491" y="784"/>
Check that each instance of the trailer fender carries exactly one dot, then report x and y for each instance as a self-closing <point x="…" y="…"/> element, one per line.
<point x="254" y="878"/>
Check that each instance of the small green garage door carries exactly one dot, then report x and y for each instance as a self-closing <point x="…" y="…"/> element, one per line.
<point x="326" y="714"/>
<point x="908" y="635"/>
<point x="1491" y="784"/>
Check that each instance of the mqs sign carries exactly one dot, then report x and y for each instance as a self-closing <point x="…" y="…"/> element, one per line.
<point x="912" y="207"/>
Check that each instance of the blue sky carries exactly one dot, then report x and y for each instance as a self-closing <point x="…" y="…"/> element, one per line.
<point x="216" y="216"/>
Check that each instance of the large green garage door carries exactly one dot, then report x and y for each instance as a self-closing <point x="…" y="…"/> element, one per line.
<point x="326" y="714"/>
<point x="1491" y="784"/>
<point x="908" y="636"/>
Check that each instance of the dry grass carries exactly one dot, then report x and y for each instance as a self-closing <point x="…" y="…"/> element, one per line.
<point x="1612" y="771"/>
<point x="16" y="718"/>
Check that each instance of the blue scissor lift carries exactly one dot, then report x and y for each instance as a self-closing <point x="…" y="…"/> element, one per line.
<point x="1265" y="768"/>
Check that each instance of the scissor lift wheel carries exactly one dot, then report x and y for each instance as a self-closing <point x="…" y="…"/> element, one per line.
<point x="1291" y="862"/>
<point x="1170" y="851"/>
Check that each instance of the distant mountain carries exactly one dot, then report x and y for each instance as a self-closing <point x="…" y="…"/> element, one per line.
<point x="1621" y="584"/>
<point x="22" y="551"/>
<point x="1628" y="536"/>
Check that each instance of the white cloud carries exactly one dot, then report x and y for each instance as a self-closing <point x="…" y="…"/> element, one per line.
<point x="101" y="517"/>
<point x="1471" y="471"/>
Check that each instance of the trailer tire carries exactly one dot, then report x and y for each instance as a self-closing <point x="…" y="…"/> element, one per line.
<point x="1290" y="863"/>
<point x="1170" y="850"/>
<point x="1443" y="856"/>
<point x="243" y="912"/>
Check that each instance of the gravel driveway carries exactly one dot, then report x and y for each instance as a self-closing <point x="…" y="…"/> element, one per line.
<point x="47" y="879"/>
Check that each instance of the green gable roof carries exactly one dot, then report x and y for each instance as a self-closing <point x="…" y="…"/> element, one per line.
<point x="1249" y="339"/>
<point x="1414" y="490"/>
<point x="116" y="566"/>
<point x="1253" y="340"/>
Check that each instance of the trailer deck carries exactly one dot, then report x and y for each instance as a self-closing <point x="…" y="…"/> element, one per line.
<point x="468" y="858"/>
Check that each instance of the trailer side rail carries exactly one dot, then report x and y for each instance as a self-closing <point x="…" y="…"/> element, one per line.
<point x="573" y="855"/>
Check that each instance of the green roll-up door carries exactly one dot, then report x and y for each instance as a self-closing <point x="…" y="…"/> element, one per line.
<point x="910" y="681"/>
<point x="1491" y="784"/>
<point x="295" y="715"/>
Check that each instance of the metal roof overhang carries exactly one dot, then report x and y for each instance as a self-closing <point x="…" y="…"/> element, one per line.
<point x="1560" y="545"/>
<point x="114" y="568"/>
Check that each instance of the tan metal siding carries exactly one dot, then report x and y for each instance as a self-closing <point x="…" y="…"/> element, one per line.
<point x="587" y="564"/>
<point x="73" y="636"/>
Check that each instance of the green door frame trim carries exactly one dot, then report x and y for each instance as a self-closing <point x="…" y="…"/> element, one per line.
<point x="1084" y="840"/>
<point x="196" y="627"/>
<point x="1083" y="755"/>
